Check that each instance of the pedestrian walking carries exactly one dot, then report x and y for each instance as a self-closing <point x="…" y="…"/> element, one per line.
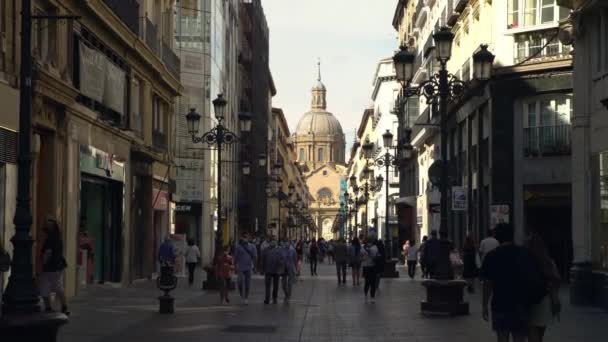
<point x="431" y="254"/>
<point x="488" y="244"/>
<point x="244" y="257"/>
<point x="469" y="260"/>
<point x="300" y="253"/>
<point x="379" y="262"/>
<point x="369" y="255"/>
<point x="545" y="312"/>
<point x="355" y="257"/>
<point x="341" y="259"/>
<point x="421" y="257"/>
<point x="53" y="266"/>
<point x="412" y="258"/>
<point x="513" y="281"/>
<point x="193" y="256"/>
<point x="224" y="268"/>
<point x="330" y="252"/>
<point x="289" y="258"/>
<point x="306" y="252"/>
<point x="404" y="248"/>
<point x="271" y="260"/>
<point x="314" y="254"/>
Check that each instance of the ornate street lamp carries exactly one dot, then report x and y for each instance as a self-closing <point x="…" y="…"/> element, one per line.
<point x="443" y="87"/>
<point x="218" y="136"/>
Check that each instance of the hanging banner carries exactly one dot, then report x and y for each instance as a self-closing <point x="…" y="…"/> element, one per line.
<point x="114" y="92"/>
<point x="459" y="198"/>
<point x="92" y="73"/>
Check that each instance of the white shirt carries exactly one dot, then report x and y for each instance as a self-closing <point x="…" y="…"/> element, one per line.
<point x="487" y="245"/>
<point x="412" y="253"/>
<point x="192" y="253"/>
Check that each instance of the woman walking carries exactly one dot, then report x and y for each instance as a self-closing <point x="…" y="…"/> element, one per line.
<point x="469" y="260"/>
<point x="224" y="268"/>
<point x="193" y="255"/>
<point x="53" y="264"/>
<point x="412" y="258"/>
<point x="355" y="260"/>
<point x="544" y="313"/>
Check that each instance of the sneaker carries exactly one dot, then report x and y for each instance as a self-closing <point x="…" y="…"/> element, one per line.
<point x="373" y="300"/>
<point x="266" y="302"/>
<point x="246" y="301"/>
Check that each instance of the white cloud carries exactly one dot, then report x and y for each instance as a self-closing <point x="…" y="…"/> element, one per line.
<point x="350" y="37"/>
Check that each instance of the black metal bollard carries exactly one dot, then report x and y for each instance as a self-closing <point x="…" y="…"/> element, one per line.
<point x="166" y="282"/>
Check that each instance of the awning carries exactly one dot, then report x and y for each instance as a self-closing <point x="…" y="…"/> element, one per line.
<point x="408" y="200"/>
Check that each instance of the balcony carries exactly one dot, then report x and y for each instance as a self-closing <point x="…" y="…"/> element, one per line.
<point x="127" y="11"/>
<point x="540" y="46"/>
<point x="152" y="36"/>
<point x="171" y="60"/>
<point x="547" y="141"/>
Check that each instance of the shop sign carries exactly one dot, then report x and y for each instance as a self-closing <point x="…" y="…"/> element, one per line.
<point x="100" y="163"/>
<point x="183" y="208"/>
<point x="459" y="198"/>
<point x="499" y="214"/>
<point x="160" y="200"/>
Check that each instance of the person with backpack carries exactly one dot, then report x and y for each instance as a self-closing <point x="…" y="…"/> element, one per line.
<point x="544" y="313"/>
<point x="245" y="255"/>
<point x="369" y="253"/>
<point x="513" y="281"/>
<point x="355" y="260"/>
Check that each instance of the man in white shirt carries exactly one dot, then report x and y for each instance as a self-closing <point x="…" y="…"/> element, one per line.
<point x="487" y="245"/>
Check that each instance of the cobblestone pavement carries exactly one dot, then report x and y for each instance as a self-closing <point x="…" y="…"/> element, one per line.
<point x="319" y="311"/>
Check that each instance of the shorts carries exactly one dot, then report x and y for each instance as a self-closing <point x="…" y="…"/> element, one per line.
<point x="50" y="282"/>
<point x="513" y="320"/>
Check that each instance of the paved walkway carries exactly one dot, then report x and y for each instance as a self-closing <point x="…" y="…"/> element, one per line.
<point x="320" y="311"/>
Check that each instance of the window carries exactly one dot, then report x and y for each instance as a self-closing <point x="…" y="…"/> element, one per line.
<point x="325" y="196"/>
<point x="159" y="123"/>
<point x="527" y="13"/>
<point x="547" y="126"/>
<point x="302" y="157"/>
<point x="539" y="45"/>
<point x="136" y="96"/>
<point x="321" y="155"/>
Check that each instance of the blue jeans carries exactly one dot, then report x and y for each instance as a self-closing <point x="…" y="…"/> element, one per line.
<point x="244" y="282"/>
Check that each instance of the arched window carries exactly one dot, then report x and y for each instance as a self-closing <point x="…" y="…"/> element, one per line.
<point x="321" y="155"/>
<point x="325" y="196"/>
<point x="302" y="155"/>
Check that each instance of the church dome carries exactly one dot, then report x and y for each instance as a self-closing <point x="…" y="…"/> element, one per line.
<point x="319" y="123"/>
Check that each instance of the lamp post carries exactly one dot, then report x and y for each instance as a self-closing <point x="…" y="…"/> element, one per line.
<point x="443" y="297"/>
<point x="443" y="88"/>
<point x="219" y="136"/>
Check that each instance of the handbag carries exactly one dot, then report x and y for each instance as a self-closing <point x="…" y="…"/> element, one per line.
<point x="455" y="259"/>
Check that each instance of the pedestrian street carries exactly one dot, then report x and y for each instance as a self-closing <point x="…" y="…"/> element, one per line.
<point x="319" y="311"/>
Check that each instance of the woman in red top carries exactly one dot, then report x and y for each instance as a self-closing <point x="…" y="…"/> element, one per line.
<point x="224" y="267"/>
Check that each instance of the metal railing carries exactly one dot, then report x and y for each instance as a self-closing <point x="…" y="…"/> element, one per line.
<point x="539" y="46"/>
<point x="547" y="140"/>
<point x="152" y="36"/>
<point x="127" y="11"/>
<point x="171" y="60"/>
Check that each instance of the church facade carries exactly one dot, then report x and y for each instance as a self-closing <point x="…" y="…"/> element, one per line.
<point x="320" y="148"/>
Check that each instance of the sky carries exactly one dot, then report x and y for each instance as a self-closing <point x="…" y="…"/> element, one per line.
<point x="349" y="36"/>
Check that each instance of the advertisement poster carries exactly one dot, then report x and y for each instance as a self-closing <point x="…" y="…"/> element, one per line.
<point x="179" y="244"/>
<point x="499" y="214"/>
<point x="459" y="198"/>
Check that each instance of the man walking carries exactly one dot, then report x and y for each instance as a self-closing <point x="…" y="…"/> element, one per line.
<point x="314" y="254"/>
<point x="431" y="253"/>
<point x="341" y="259"/>
<point x="245" y="256"/>
<point x="271" y="260"/>
<point x="507" y="273"/>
